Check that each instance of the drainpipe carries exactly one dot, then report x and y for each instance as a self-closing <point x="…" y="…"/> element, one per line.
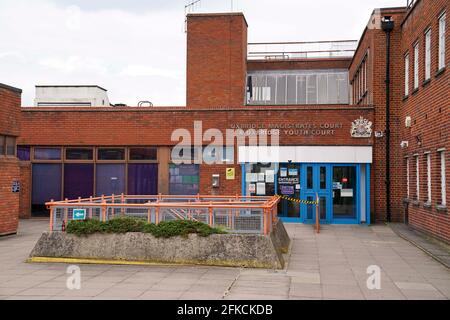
<point x="387" y="24"/>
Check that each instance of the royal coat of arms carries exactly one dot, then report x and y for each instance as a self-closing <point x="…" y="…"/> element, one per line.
<point x="361" y="128"/>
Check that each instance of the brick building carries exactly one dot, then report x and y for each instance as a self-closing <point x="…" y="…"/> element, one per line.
<point x="9" y="164"/>
<point x="328" y="108"/>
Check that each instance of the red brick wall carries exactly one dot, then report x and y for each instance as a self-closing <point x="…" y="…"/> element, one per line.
<point x="374" y="42"/>
<point x="429" y="109"/>
<point x="9" y="110"/>
<point x="216" y="60"/>
<point x="299" y="64"/>
<point x="25" y="190"/>
<point x="9" y="166"/>
<point x="98" y="127"/>
<point x="118" y="126"/>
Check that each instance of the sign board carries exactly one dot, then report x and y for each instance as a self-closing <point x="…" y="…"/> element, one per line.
<point x="79" y="214"/>
<point x="15" y="188"/>
<point x="287" y="190"/>
<point x="230" y="174"/>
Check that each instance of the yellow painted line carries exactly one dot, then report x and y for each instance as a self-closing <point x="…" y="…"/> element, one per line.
<point x="95" y="261"/>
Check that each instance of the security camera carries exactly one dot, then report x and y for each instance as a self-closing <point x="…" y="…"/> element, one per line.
<point x="404" y="144"/>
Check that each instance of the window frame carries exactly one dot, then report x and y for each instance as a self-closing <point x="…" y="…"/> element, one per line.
<point x="408" y="180"/>
<point x="3" y="146"/>
<point x="94" y="154"/>
<point x="442" y="24"/>
<point x="97" y="154"/>
<point x="443" y="177"/>
<point x="417" y="177"/>
<point x="427" y="57"/>
<point x="429" y="194"/>
<point x="33" y="157"/>
<point x="406" y="74"/>
<point x="416" y="65"/>
<point x="128" y="155"/>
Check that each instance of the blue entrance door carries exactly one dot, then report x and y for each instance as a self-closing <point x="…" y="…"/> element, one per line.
<point x="316" y="181"/>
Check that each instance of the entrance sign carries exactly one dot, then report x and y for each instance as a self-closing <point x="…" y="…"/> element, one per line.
<point x="79" y="214"/>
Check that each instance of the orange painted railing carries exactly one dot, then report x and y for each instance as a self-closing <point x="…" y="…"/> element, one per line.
<point x="244" y="214"/>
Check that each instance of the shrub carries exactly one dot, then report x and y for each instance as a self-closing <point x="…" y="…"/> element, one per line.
<point x="85" y="227"/>
<point x="165" y="229"/>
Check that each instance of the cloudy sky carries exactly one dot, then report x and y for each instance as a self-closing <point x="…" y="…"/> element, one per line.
<point x="136" y="49"/>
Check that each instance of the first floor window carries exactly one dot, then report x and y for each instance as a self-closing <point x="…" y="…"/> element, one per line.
<point x="443" y="180"/>
<point x="406" y="75"/>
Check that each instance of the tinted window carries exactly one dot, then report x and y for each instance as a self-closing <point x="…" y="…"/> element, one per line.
<point x="23" y="153"/>
<point x="47" y="154"/>
<point x="79" y="154"/>
<point x="111" y="154"/>
<point x="143" y="154"/>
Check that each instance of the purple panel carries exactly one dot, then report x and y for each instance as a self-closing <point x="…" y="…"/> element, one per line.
<point x="78" y="180"/>
<point x="110" y="179"/>
<point x="46" y="183"/>
<point x="142" y="178"/>
<point x="23" y="153"/>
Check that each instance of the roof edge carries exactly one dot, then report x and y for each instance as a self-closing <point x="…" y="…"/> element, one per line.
<point x="10" y="88"/>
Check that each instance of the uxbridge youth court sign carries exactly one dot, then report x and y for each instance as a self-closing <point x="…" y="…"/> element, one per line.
<point x="290" y="129"/>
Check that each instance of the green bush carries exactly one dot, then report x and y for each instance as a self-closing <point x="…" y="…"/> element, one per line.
<point x="165" y="229"/>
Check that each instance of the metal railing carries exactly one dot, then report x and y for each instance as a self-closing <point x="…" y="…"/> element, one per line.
<point x="236" y="214"/>
<point x="301" y="50"/>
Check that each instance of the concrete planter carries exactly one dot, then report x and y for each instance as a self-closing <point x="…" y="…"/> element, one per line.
<point x="240" y="250"/>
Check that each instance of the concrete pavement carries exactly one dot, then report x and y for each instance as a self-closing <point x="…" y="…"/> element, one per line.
<point x="329" y="265"/>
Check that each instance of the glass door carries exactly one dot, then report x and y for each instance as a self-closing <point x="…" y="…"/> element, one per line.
<point x="288" y="186"/>
<point x="316" y="182"/>
<point x="345" y="194"/>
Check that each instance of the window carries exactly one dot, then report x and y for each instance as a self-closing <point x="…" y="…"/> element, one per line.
<point x="416" y="66"/>
<point x="298" y="87"/>
<point x="407" y="75"/>
<point x="111" y="154"/>
<point x="443" y="180"/>
<point x="218" y="155"/>
<point x="10" y="146"/>
<point x="428" y="54"/>
<point x="417" y="179"/>
<point x="79" y="154"/>
<point x="442" y="41"/>
<point x="143" y="154"/>
<point x="47" y="154"/>
<point x="23" y="153"/>
<point x="2" y="145"/>
<point x="184" y="179"/>
<point x="407" y="178"/>
<point x="428" y="155"/>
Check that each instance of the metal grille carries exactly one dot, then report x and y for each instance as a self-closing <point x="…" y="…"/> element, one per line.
<point x="233" y="213"/>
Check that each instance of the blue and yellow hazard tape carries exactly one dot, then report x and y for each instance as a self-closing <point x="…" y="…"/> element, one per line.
<point x="297" y="200"/>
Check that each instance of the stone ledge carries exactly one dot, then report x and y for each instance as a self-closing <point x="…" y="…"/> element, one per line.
<point x="239" y="250"/>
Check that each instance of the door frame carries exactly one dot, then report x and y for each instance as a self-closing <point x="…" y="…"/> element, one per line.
<point x="329" y="219"/>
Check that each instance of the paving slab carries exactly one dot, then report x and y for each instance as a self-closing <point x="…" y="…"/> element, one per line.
<point x="329" y="265"/>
